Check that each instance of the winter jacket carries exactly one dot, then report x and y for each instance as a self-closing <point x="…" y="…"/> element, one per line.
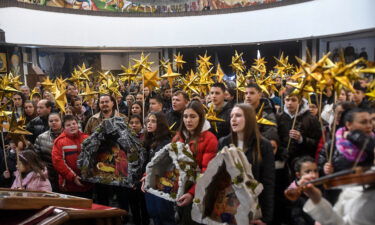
<point x="43" y="147"/>
<point x="268" y="131"/>
<point x="298" y="216"/>
<point x="37" y="126"/>
<point x="263" y="171"/>
<point x="309" y="127"/>
<point x="97" y="119"/>
<point x="65" y="152"/>
<point x="204" y="149"/>
<point x="174" y="117"/>
<point x="32" y="181"/>
<point x="11" y="162"/>
<point x="223" y="128"/>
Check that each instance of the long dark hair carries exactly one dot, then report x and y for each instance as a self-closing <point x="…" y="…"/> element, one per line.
<point x="199" y="109"/>
<point x="251" y="131"/>
<point x="161" y="133"/>
<point x="31" y="159"/>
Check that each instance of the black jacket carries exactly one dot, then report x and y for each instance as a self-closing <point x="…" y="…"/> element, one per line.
<point x="268" y="131"/>
<point x="309" y="127"/>
<point x="174" y="117"/>
<point x="37" y="126"/>
<point x="223" y="128"/>
<point x="263" y="171"/>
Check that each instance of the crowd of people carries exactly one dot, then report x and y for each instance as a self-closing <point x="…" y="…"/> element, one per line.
<point x="295" y="146"/>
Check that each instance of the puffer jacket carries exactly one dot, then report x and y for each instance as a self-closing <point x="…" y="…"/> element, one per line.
<point x="263" y="171"/>
<point x="309" y="127"/>
<point x="37" y="126"/>
<point x="268" y="131"/>
<point x="43" y="147"/>
<point x="32" y="181"/>
<point x="204" y="150"/>
<point x="65" y="152"/>
<point x="223" y="128"/>
<point x="97" y="119"/>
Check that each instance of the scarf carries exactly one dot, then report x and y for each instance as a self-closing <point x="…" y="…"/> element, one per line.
<point x="345" y="147"/>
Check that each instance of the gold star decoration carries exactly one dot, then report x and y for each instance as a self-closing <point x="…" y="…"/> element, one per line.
<point x="170" y="75"/>
<point x="261" y="119"/>
<point x="179" y="62"/>
<point x="204" y="62"/>
<point x="88" y="93"/>
<point x="151" y="79"/>
<point x="142" y="64"/>
<point x="164" y="64"/>
<point x="238" y="64"/>
<point x="60" y="99"/>
<point x="17" y="127"/>
<point x="48" y="84"/>
<point x="212" y="117"/>
<point x="219" y="74"/>
<point x="35" y="91"/>
<point x="128" y="75"/>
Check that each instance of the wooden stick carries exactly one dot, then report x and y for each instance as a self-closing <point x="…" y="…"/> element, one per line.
<point x="321" y="121"/>
<point x="333" y="134"/>
<point x="293" y="125"/>
<point x="4" y="151"/>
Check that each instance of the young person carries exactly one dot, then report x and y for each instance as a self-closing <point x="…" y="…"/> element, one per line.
<point x="43" y="147"/>
<point x="30" y="112"/>
<point x="194" y="131"/>
<point x="222" y="109"/>
<point x="136" y="124"/>
<point x="258" y="150"/>
<point x="306" y="169"/>
<point x="31" y="173"/>
<point x="157" y="136"/>
<point x="65" y="152"/>
<point x="179" y="101"/>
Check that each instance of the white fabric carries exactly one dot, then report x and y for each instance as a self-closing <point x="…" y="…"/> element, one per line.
<point x="328" y="114"/>
<point x="354" y="207"/>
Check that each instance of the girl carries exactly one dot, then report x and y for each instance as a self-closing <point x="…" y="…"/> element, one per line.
<point x="31" y="173"/>
<point x="135" y="123"/>
<point x="43" y="147"/>
<point x="203" y="144"/>
<point x="157" y="136"/>
<point x="29" y="108"/>
<point x="136" y="108"/>
<point x="245" y="134"/>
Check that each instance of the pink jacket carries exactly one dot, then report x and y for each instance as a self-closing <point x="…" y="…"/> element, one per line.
<point x="32" y="181"/>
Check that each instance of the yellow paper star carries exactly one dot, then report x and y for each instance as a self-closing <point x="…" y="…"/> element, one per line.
<point x="17" y="127"/>
<point x="170" y="75"/>
<point x="179" y="61"/>
<point x="219" y="74"/>
<point x="238" y="64"/>
<point x="151" y="79"/>
<point x="142" y="64"/>
<point x="262" y="120"/>
<point x="204" y="61"/>
<point x="212" y="117"/>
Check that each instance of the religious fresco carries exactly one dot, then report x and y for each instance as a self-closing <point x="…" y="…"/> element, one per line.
<point x="147" y="6"/>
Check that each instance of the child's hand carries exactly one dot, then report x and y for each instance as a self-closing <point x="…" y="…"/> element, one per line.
<point x="77" y="181"/>
<point x="185" y="199"/>
<point x="143" y="184"/>
<point x="296" y="135"/>
<point x="305" y="179"/>
<point x="328" y="168"/>
<point x="314" y="193"/>
<point x="6" y="174"/>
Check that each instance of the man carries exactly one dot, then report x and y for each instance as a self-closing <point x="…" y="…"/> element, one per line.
<point x="156" y="103"/>
<point x="179" y="101"/>
<point x="39" y="124"/>
<point x="65" y="152"/>
<point x="253" y="96"/>
<point x="107" y="105"/>
<point x="71" y="91"/>
<point x="359" y="97"/>
<point x="167" y="95"/>
<point x="222" y="109"/>
<point x="25" y="91"/>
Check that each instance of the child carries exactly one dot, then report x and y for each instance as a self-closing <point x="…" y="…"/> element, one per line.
<point x="31" y="174"/>
<point x="306" y="169"/>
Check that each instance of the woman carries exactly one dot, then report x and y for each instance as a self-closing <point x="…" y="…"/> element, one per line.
<point x="18" y="101"/>
<point x="203" y="144"/>
<point x="349" y="141"/>
<point x="79" y="111"/>
<point x="245" y="134"/>
<point x="43" y="147"/>
<point x="136" y="108"/>
<point x="29" y="108"/>
<point x="156" y="137"/>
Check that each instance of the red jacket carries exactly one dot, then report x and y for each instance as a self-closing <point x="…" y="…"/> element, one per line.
<point x="207" y="149"/>
<point x="65" y="152"/>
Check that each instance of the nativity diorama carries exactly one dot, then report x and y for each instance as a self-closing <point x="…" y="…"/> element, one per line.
<point x="112" y="155"/>
<point x="227" y="192"/>
<point x="171" y="172"/>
